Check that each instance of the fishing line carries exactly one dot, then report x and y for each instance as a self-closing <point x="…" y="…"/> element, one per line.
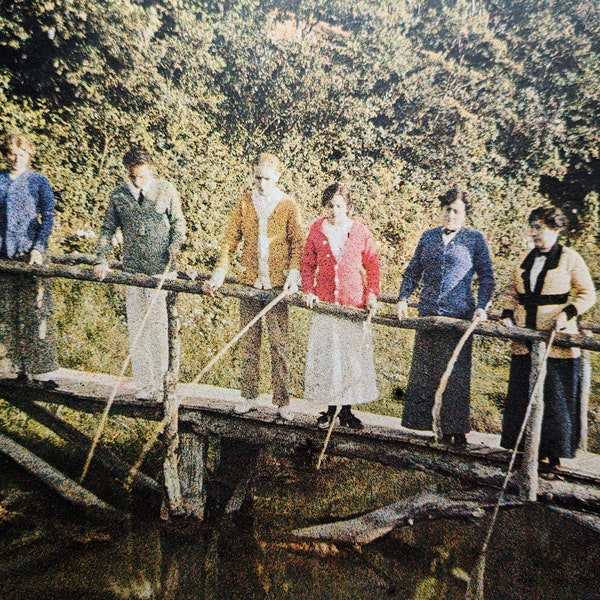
<point x="477" y="593"/>
<point x="117" y="385"/>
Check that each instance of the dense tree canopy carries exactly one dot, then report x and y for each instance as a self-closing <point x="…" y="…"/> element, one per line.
<point x="400" y="98"/>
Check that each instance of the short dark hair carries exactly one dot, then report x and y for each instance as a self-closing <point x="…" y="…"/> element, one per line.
<point x="455" y="193"/>
<point x="136" y="156"/>
<point x="336" y="189"/>
<point x="551" y="216"/>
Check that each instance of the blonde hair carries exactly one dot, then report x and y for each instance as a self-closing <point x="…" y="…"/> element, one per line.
<point x="16" y="140"/>
<point x="268" y="160"/>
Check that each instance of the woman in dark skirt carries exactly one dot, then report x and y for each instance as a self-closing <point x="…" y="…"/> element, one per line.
<point x="27" y="339"/>
<point x="550" y="288"/>
<point x="445" y="262"/>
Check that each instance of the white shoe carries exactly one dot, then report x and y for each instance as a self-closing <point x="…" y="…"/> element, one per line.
<point x="152" y="394"/>
<point x="286" y="413"/>
<point x="243" y="407"/>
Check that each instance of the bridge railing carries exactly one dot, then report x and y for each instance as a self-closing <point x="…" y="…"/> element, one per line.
<point x="80" y="267"/>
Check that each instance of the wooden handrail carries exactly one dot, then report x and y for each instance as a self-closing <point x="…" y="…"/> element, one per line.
<point x="68" y="267"/>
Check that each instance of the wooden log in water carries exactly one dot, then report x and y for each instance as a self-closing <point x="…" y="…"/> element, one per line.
<point x="55" y="480"/>
<point x="424" y="506"/>
<point x="587" y="520"/>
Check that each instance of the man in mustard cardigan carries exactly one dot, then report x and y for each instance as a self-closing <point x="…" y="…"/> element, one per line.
<point x="267" y="222"/>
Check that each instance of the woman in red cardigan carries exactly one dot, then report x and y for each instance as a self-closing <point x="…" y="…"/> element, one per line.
<point x="340" y="265"/>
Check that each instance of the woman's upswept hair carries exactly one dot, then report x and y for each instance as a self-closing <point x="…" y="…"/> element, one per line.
<point x="15" y="139"/>
<point x="551" y="216"/>
<point x="455" y="193"/>
<point x="336" y="189"/>
<point x="137" y="156"/>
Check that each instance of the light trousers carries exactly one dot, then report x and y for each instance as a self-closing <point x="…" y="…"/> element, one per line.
<point x="150" y="353"/>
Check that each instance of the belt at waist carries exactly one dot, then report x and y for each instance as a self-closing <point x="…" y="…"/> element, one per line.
<point x="542" y="300"/>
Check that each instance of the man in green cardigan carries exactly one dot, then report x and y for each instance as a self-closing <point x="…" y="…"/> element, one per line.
<point x="147" y="212"/>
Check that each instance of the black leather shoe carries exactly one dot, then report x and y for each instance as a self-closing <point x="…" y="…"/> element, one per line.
<point x="553" y="462"/>
<point x="460" y="441"/>
<point x="347" y="419"/>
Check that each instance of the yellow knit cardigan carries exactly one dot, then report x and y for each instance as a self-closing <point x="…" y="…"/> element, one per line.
<point x="285" y="233"/>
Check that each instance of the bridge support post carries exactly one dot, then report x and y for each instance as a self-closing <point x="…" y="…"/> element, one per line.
<point x="192" y="473"/>
<point x="533" y="432"/>
<point x="174" y="501"/>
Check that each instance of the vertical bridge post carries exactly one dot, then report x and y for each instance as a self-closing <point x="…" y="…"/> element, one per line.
<point x="533" y="433"/>
<point x="185" y="457"/>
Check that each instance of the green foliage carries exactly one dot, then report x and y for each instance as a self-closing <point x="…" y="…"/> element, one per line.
<point x="399" y="99"/>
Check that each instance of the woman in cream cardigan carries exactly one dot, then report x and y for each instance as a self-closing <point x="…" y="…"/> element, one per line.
<point x="550" y="288"/>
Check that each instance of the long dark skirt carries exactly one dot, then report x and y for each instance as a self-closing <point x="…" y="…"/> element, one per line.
<point x="27" y="336"/>
<point x="431" y="353"/>
<point x="561" y="424"/>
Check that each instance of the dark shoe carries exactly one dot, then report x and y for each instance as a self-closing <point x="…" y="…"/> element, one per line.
<point x="446" y="439"/>
<point x="460" y="441"/>
<point x="323" y="420"/>
<point x="347" y="419"/>
<point x="25" y="378"/>
<point x="553" y="462"/>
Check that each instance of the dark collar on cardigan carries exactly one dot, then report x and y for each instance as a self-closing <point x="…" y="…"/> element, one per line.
<point x="552" y="258"/>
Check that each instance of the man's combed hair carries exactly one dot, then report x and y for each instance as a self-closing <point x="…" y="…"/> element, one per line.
<point x="136" y="156"/>
<point x="268" y="160"/>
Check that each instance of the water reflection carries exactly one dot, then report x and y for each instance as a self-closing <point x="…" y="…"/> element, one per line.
<point x="534" y="553"/>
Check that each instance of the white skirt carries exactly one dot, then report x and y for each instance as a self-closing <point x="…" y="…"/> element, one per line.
<point x="340" y="366"/>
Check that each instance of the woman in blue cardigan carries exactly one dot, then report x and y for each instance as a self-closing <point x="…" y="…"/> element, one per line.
<point x="445" y="261"/>
<point x="27" y="341"/>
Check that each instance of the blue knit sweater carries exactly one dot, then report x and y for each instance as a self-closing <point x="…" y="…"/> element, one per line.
<point x="26" y="213"/>
<point x="447" y="274"/>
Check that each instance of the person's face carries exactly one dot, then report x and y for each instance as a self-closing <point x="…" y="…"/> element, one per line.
<point x="265" y="179"/>
<point x="140" y="175"/>
<point x="454" y="215"/>
<point x="18" y="159"/>
<point x="337" y="209"/>
<point x="543" y="237"/>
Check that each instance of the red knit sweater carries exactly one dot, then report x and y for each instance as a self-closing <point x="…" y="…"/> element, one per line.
<point x="348" y="280"/>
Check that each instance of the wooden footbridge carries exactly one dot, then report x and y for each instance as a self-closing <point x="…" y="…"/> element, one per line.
<point x="191" y="414"/>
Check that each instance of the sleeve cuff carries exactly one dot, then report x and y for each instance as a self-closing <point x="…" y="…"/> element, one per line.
<point x="570" y="311"/>
<point x="294" y="277"/>
<point x="218" y="276"/>
<point x="508" y="314"/>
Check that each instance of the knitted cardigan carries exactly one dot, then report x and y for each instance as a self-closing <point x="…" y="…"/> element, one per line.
<point x="347" y="280"/>
<point x="148" y="229"/>
<point x="285" y="234"/>
<point x="564" y="284"/>
<point x="28" y="216"/>
<point x="447" y="271"/>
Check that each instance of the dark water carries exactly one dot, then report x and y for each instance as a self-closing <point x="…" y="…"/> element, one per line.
<point x="47" y="551"/>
